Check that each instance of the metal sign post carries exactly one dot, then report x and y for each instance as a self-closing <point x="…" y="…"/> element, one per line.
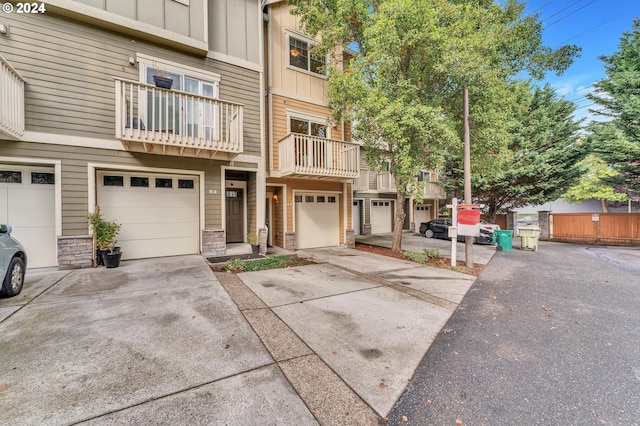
<point x="453" y="229"/>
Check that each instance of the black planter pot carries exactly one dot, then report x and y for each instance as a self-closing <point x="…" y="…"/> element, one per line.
<point x="111" y="259"/>
<point x="100" y="258"/>
<point x="255" y="248"/>
<point x="163" y="82"/>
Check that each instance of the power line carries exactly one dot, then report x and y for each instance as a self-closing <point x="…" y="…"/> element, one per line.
<point x="542" y="7"/>
<point x="597" y="26"/>
<point x="561" y="10"/>
<point x="569" y="14"/>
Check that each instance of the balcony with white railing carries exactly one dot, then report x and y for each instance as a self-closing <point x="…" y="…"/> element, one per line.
<point x="386" y="182"/>
<point x="433" y="191"/>
<point x="312" y="156"/>
<point x="162" y="121"/>
<point x="11" y="102"/>
<point x="362" y="183"/>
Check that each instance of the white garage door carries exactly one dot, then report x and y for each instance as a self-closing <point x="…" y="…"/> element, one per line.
<point x="27" y="203"/>
<point x="159" y="213"/>
<point x="422" y="213"/>
<point x="381" y="216"/>
<point x="317" y="220"/>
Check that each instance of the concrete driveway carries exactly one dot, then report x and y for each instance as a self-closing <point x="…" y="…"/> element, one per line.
<point x="160" y="341"/>
<point x="154" y="341"/>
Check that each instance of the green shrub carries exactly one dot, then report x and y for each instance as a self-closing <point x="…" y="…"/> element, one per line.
<point x="432" y="253"/>
<point x="423" y="257"/>
<point x="235" y="264"/>
<point x="416" y="256"/>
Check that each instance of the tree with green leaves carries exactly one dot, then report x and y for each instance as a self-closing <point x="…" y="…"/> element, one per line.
<point x="593" y="184"/>
<point x="541" y="160"/>
<point x="617" y="141"/>
<point x="403" y="87"/>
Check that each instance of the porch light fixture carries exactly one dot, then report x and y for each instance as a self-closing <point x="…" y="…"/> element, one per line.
<point x="294" y="52"/>
<point x="275" y="198"/>
<point x="4" y="29"/>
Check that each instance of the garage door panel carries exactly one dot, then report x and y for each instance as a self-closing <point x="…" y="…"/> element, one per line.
<point x="381" y="216"/>
<point x="148" y="231"/>
<point x="317" y="224"/>
<point x="30" y="210"/>
<point x="155" y="221"/>
<point x="166" y="215"/>
<point x="141" y="249"/>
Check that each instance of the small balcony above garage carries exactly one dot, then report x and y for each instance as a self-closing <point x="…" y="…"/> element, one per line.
<point x="312" y="156"/>
<point x="385" y="182"/>
<point x="172" y="122"/>
<point x="11" y="102"/>
<point x="433" y="191"/>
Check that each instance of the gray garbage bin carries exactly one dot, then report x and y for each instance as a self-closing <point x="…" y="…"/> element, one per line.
<point x="529" y="237"/>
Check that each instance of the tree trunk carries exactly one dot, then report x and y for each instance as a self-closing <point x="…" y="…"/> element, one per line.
<point x="604" y="206"/>
<point x="396" y="243"/>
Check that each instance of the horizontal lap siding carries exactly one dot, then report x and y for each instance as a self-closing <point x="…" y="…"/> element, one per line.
<point x="75" y="190"/>
<point x="69" y="68"/>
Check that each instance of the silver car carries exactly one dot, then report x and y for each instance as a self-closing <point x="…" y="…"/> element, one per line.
<point x="13" y="263"/>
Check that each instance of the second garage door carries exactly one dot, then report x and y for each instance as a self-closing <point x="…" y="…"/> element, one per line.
<point x="159" y="213"/>
<point x="381" y="216"/>
<point x="317" y="220"/>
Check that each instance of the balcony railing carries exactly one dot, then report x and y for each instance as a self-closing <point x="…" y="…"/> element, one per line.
<point x="172" y="122"/>
<point x="11" y="101"/>
<point x="433" y="191"/>
<point x="306" y="155"/>
<point x="362" y="183"/>
<point x="386" y="182"/>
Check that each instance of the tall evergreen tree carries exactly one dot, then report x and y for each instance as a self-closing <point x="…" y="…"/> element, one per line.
<point x="617" y="141"/>
<point x="542" y="160"/>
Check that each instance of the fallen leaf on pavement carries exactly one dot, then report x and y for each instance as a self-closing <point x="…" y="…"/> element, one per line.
<point x="382" y="385"/>
<point x="405" y="419"/>
<point x="3" y="387"/>
<point x="600" y="421"/>
<point x="458" y="421"/>
<point x="226" y="346"/>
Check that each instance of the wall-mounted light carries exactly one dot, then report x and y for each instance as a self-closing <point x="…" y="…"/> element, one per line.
<point x="275" y="198"/>
<point x="4" y="29"/>
<point x="132" y="61"/>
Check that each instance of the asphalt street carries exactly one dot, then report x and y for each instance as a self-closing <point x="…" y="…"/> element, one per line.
<point x="542" y="338"/>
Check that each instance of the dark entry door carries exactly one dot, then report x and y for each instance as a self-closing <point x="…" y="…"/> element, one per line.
<point x="234" y="216"/>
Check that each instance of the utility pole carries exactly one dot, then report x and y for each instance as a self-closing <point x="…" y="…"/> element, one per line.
<point x="468" y="241"/>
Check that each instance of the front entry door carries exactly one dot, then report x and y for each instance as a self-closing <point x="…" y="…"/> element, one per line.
<point x="234" y="216"/>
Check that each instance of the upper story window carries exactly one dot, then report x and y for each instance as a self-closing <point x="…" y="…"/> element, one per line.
<point x="300" y="57"/>
<point x="308" y="127"/>
<point x="426" y="176"/>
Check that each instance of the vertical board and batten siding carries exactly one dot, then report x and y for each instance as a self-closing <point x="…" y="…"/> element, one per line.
<point x="280" y="124"/>
<point x="170" y="15"/>
<point x="70" y="67"/>
<point x="75" y="184"/>
<point x="284" y="77"/>
<point x="234" y="28"/>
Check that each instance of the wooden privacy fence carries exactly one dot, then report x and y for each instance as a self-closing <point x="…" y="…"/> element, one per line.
<point x="603" y="228"/>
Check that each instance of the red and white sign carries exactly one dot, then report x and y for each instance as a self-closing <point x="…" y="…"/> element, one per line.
<point x="469" y="222"/>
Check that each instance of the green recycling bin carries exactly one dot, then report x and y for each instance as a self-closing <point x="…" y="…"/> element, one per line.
<point x="505" y="240"/>
<point x="529" y="237"/>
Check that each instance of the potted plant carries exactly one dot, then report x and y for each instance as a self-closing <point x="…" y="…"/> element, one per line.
<point x="105" y="233"/>
<point x="253" y="240"/>
<point x="162" y="80"/>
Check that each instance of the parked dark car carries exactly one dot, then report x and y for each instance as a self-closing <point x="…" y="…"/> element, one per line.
<point x="13" y="262"/>
<point x="439" y="228"/>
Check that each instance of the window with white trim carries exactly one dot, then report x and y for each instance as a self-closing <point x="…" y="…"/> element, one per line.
<point x="307" y="127"/>
<point x="301" y="57"/>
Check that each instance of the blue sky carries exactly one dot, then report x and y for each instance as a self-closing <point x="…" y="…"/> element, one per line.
<point x="594" y="25"/>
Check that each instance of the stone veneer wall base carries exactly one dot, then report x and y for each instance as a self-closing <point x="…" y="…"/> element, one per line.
<point x="75" y="252"/>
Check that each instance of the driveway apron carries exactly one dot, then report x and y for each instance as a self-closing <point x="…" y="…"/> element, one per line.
<point x="153" y="341"/>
